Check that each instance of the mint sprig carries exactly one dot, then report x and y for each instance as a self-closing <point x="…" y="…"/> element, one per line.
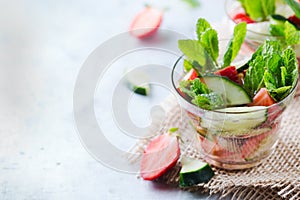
<point x="272" y="68"/>
<point x="201" y="95"/>
<point x="203" y="53"/>
<point x="291" y="34"/>
<point x="235" y="43"/>
<point x="193" y="50"/>
<point x="258" y="10"/>
<point x="208" y="38"/>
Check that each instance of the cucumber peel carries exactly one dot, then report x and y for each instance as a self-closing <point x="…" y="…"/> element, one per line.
<point x="193" y="172"/>
<point x="232" y="93"/>
<point x="138" y="82"/>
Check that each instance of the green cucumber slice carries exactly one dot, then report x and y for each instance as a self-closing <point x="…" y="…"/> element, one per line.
<point x="138" y="82"/>
<point x="232" y="93"/>
<point x="234" y="120"/>
<point x="278" y="19"/>
<point x="277" y="25"/>
<point x="193" y="172"/>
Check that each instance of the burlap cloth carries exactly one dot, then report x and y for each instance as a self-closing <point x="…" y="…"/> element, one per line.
<point x="278" y="177"/>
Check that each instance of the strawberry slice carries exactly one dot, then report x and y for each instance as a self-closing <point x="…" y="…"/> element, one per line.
<point x="213" y="148"/>
<point x="294" y="20"/>
<point x="256" y="145"/>
<point x="273" y="113"/>
<point x="146" y="23"/>
<point x="191" y="75"/>
<point x="262" y="98"/>
<point x="160" y="155"/>
<point x="229" y="72"/>
<point x="252" y="145"/>
<point x="242" y="17"/>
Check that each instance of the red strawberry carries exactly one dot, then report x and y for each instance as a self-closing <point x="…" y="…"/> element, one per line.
<point x="146" y="23"/>
<point x="295" y="20"/>
<point x="160" y="155"/>
<point x="273" y="113"/>
<point x="242" y="17"/>
<point x="213" y="148"/>
<point x="229" y="72"/>
<point x="191" y="75"/>
<point x="262" y="98"/>
<point x="258" y="143"/>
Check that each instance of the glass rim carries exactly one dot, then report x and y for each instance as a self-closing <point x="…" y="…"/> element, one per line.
<point x="222" y="112"/>
<point x="254" y="32"/>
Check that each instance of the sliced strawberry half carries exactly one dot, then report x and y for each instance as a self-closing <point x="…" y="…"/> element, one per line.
<point x="160" y="155"/>
<point x="191" y="75"/>
<point x="262" y="98"/>
<point x="146" y="23"/>
<point x="214" y="149"/>
<point x="256" y="145"/>
<point x="295" y="20"/>
<point x="242" y="17"/>
<point x="229" y="72"/>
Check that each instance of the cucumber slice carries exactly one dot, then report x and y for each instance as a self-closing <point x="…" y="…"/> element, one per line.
<point x="232" y="93"/>
<point x="234" y="120"/>
<point x="138" y="82"/>
<point x="193" y="172"/>
<point x="277" y="25"/>
<point x="277" y="19"/>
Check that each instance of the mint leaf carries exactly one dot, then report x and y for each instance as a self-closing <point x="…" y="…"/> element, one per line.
<point x="280" y="93"/>
<point x="201" y="95"/>
<point x="187" y="65"/>
<point x="193" y="88"/>
<point x="209" y="40"/>
<point x="238" y="38"/>
<point x="268" y="7"/>
<point x="272" y="61"/>
<point x="254" y="9"/>
<point x="201" y="27"/>
<point x="258" y="10"/>
<point x="291" y="64"/>
<point x="184" y="87"/>
<point x="269" y="80"/>
<point x="266" y="58"/>
<point x="208" y="101"/>
<point x="271" y="47"/>
<point x="235" y="43"/>
<point x="294" y="6"/>
<point x="284" y="75"/>
<point x="278" y="69"/>
<point x="254" y="76"/>
<point x="292" y="36"/>
<point x="277" y="29"/>
<point x="194" y="51"/>
<point x="198" y="87"/>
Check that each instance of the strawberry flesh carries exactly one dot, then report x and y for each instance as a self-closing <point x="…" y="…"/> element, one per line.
<point x="262" y="98"/>
<point x="242" y="17"/>
<point x="146" y="23"/>
<point x="229" y="72"/>
<point x="191" y="75"/>
<point x="160" y="155"/>
<point x="294" y="20"/>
